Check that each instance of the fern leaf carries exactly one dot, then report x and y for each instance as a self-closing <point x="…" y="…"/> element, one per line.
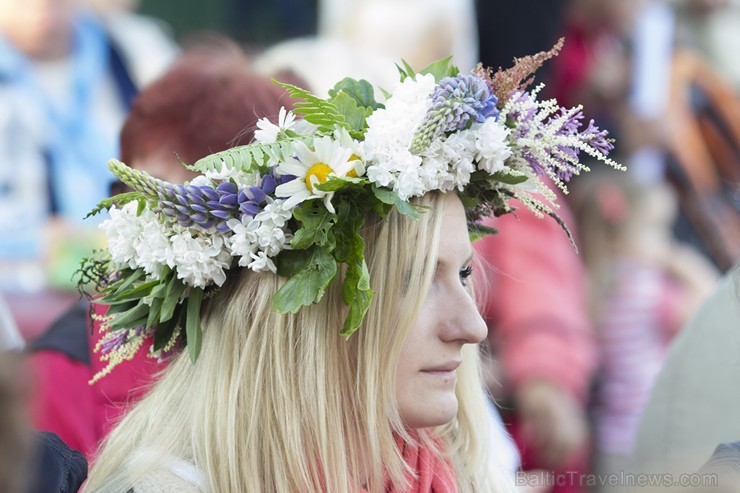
<point x="247" y="158"/>
<point x="315" y="110"/>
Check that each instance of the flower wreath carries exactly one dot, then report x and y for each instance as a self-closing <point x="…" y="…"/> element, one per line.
<point x="293" y="201"/>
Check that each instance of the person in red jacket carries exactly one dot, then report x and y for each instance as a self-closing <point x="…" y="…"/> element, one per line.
<point x="535" y="307"/>
<point x="197" y="108"/>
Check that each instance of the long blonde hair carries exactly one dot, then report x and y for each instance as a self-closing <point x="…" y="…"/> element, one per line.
<point x="285" y="403"/>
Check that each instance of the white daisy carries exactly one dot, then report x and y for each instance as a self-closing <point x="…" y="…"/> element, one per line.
<point x="358" y="155"/>
<point x="328" y="159"/>
<point x="269" y="132"/>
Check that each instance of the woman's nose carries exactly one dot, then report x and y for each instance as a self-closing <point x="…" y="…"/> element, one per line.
<point x="463" y="321"/>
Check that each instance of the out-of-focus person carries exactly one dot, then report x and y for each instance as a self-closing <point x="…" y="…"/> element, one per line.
<point x="363" y="38"/>
<point x="535" y="307"/>
<point x="31" y="462"/>
<point x="644" y="285"/>
<point x="67" y="79"/>
<point x="713" y="28"/>
<point x="208" y="101"/>
<point x="15" y="439"/>
<point x="694" y="403"/>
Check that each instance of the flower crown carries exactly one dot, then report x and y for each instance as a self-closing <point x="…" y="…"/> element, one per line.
<point x="293" y="201"/>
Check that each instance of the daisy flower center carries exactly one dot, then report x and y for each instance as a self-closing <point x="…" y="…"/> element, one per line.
<point x="320" y="170"/>
<point x="353" y="173"/>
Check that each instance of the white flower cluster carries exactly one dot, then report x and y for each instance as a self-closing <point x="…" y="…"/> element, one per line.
<point x="257" y="240"/>
<point x="145" y="242"/>
<point x="446" y="164"/>
<point x="200" y="258"/>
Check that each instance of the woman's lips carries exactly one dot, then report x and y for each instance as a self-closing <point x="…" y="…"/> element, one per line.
<point x="444" y="369"/>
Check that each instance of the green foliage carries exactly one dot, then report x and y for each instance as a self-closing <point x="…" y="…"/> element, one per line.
<point x="308" y="285"/>
<point x="320" y="112"/>
<point x="359" y="90"/>
<point x="405" y="71"/>
<point x="193" y="330"/>
<point x="350" y="250"/>
<point x="118" y="200"/>
<point x="248" y="158"/>
<point x="508" y="179"/>
<point x="316" y="226"/>
<point x="391" y="198"/>
<point x="355" y="116"/>
<point x="477" y="231"/>
<point x="441" y="69"/>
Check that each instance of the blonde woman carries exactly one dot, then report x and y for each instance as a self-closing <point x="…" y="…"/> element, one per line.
<point x="316" y="284"/>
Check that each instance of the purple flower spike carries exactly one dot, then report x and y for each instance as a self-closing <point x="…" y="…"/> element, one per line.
<point x="268" y="183"/>
<point x="250" y="208"/>
<point x="227" y="188"/>
<point x="258" y="195"/>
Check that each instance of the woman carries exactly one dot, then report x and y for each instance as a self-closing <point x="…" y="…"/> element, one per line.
<point x="268" y="390"/>
<point x="303" y="383"/>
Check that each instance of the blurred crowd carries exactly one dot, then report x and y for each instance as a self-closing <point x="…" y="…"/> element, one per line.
<point x="621" y="357"/>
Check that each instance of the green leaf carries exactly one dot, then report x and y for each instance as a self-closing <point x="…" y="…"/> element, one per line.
<point x="316" y="222"/>
<point x="469" y="202"/>
<point x="354" y="115"/>
<point x="117" y="200"/>
<point x="441" y="69"/>
<point x="127" y="278"/>
<point x="130" y="318"/>
<point x="350" y="244"/>
<point x="173" y="293"/>
<point x="406" y="71"/>
<point x="248" y="158"/>
<point x="163" y="332"/>
<point x="359" y="90"/>
<point x="390" y="197"/>
<point x="290" y="262"/>
<point x="192" y="323"/>
<point x="357" y="310"/>
<point x="334" y="184"/>
<point x="479" y="231"/>
<point x="119" y="307"/>
<point x="351" y="250"/>
<point x="315" y="110"/>
<point x="136" y="293"/>
<point x="307" y="286"/>
<point x="155" y="309"/>
<point x="508" y="179"/>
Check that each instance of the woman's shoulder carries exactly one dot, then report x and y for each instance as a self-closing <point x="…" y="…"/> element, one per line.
<point x="176" y="476"/>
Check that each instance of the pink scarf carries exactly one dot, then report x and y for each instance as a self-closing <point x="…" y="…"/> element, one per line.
<point x="433" y="473"/>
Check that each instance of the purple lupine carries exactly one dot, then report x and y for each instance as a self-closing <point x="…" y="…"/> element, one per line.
<point x="203" y="205"/>
<point x="456" y="103"/>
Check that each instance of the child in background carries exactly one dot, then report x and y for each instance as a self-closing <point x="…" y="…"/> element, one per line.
<point x="644" y="286"/>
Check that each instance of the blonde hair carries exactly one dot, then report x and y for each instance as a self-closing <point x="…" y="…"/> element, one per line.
<point x="285" y="403"/>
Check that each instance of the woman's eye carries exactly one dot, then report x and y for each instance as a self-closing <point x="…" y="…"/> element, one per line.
<point x="465" y="273"/>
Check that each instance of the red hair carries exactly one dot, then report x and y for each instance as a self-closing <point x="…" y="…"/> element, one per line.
<point x="207" y="102"/>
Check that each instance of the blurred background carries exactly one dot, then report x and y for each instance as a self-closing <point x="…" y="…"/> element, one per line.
<point x="572" y="373"/>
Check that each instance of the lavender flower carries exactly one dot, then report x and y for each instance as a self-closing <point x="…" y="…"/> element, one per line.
<point x="120" y="337"/>
<point x="550" y="138"/>
<point x="456" y="102"/>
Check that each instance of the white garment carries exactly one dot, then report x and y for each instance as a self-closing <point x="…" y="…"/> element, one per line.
<point x="177" y="476"/>
<point x="695" y="401"/>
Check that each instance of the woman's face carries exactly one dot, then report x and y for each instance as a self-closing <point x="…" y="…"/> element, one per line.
<point x="426" y="375"/>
